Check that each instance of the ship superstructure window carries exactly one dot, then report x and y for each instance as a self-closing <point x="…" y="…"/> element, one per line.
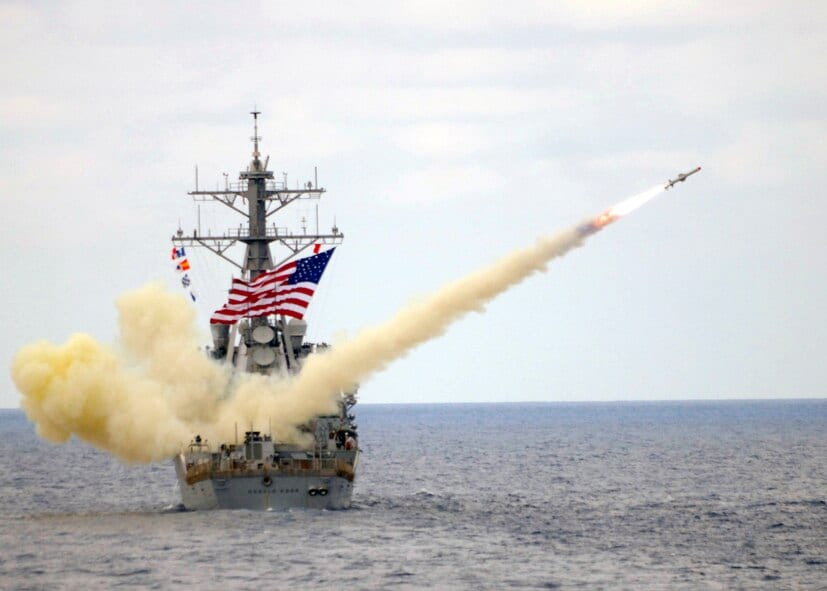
<point x="252" y="451"/>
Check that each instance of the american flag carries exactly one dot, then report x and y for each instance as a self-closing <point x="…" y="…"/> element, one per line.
<point x="286" y="290"/>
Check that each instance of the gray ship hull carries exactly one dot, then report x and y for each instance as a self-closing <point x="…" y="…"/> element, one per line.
<point x="264" y="492"/>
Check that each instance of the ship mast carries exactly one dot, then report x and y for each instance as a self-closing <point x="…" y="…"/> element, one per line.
<point x="257" y="258"/>
<point x="264" y="197"/>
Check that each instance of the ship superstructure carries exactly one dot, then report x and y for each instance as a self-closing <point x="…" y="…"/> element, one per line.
<point x="257" y="471"/>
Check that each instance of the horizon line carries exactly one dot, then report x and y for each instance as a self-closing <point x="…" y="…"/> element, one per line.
<point x="610" y="401"/>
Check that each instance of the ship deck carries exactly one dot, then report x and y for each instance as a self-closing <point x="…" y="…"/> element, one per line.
<point x="211" y="470"/>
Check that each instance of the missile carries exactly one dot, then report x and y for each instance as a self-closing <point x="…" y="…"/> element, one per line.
<point x="618" y="210"/>
<point x="681" y="178"/>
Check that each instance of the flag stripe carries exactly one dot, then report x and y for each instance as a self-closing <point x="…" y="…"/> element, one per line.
<point x="286" y="290"/>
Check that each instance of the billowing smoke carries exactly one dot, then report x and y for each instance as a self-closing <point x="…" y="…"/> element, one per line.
<point x="138" y="401"/>
<point x="143" y="400"/>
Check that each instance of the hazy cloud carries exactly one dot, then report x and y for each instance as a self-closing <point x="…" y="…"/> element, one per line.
<point x="446" y="134"/>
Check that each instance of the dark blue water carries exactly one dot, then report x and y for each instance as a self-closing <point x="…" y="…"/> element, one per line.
<point x="711" y="495"/>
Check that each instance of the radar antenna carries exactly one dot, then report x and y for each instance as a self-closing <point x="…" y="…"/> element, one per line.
<point x="262" y="197"/>
<point x="256" y="138"/>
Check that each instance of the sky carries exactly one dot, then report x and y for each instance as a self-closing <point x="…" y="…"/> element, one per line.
<point x="446" y="134"/>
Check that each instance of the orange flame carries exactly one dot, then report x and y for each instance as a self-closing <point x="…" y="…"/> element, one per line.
<point x="605" y="218"/>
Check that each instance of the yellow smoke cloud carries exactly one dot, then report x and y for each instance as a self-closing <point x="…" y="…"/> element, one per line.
<point x="146" y="398"/>
<point x="138" y="403"/>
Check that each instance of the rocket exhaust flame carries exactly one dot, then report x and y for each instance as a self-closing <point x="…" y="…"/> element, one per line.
<point x="143" y="400"/>
<point x="618" y="211"/>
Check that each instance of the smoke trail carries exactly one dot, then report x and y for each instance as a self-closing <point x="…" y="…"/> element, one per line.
<point x="144" y="402"/>
<point x="374" y="348"/>
<point x="314" y="390"/>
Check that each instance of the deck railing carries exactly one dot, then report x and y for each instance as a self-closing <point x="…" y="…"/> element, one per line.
<point x="239" y="468"/>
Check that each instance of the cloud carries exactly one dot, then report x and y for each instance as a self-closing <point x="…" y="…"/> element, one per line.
<point x="441" y="140"/>
<point x="476" y="15"/>
<point x="634" y="161"/>
<point x="772" y="152"/>
<point x="464" y="102"/>
<point x="440" y="183"/>
<point x="562" y="104"/>
<point x="31" y="111"/>
<point x="18" y="22"/>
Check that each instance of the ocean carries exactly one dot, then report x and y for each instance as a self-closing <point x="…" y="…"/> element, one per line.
<point x="654" y="495"/>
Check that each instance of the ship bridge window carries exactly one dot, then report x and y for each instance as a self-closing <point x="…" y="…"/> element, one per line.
<point x="252" y="451"/>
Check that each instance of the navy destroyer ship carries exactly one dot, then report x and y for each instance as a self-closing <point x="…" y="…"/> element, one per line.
<point x="261" y="329"/>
